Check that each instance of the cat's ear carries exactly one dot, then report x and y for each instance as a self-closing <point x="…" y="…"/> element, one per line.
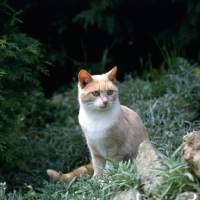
<point x="112" y="74"/>
<point x="84" y="78"/>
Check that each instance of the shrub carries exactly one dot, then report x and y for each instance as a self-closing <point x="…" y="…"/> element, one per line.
<point x="53" y="139"/>
<point x="22" y="62"/>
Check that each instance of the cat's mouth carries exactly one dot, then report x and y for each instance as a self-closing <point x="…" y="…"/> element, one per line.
<point x="104" y="106"/>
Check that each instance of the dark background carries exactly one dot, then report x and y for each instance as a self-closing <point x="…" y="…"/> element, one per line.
<point x="67" y="44"/>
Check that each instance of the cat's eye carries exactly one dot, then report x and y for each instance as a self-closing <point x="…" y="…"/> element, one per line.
<point x="95" y="93"/>
<point x="110" y="92"/>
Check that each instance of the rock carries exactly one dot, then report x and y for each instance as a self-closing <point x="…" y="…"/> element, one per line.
<point x="191" y="151"/>
<point x="188" y="196"/>
<point x="146" y="154"/>
<point x="127" y="195"/>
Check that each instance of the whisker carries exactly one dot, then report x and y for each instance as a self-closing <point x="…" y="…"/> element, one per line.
<point x="88" y="107"/>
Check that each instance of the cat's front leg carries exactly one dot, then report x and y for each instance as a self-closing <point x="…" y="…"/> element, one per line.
<point x="114" y="158"/>
<point x="97" y="162"/>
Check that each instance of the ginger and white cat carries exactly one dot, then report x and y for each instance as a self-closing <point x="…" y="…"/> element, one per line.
<point x="112" y="131"/>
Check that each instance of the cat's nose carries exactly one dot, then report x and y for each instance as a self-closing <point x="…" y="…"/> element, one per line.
<point x="105" y="102"/>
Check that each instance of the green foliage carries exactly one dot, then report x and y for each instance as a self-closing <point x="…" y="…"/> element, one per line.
<point x="53" y="139"/>
<point x="175" y="178"/>
<point x="122" y="176"/>
<point x="98" y="67"/>
<point x="169" y="106"/>
<point x="167" y="101"/>
<point x="97" y="15"/>
<point x="187" y="31"/>
<point x="103" y="14"/>
<point x="21" y="64"/>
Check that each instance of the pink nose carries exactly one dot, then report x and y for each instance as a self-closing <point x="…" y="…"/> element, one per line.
<point x="105" y="102"/>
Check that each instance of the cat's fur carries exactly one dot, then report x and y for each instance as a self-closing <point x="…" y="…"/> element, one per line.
<point x="112" y="131"/>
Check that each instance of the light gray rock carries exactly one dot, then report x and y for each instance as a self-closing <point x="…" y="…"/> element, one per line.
<point x="191" y="151"/>
<point x="146" y="155"/>
<point x="127" y="195"/>
<point x="188" y="196"/>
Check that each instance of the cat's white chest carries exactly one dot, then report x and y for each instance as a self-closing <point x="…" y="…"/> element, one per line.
<point x="98" y="142"/>
<point x="96" y="129"/>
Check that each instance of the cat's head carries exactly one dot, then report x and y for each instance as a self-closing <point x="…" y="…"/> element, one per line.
<point x="97" y="92"/>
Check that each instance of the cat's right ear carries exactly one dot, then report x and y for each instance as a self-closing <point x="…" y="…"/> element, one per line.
<point x="112" y="74"/>
<point x="84" y="78"/>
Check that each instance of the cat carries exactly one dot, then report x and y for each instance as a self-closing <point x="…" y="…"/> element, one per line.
<point x="112" y="131"/>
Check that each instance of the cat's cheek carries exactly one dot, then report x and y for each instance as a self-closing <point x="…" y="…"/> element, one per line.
<point x="114" y="97"/>
<point x="97" y="103"/>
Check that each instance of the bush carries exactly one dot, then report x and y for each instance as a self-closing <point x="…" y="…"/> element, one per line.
<point x="169" y="105"/>
<point x="22" y="63"/>
<point x="53" y="139"/>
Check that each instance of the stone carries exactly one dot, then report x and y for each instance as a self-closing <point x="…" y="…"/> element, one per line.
<point x="191" y="151"/>
<point x="188" y="196"/>
<point x="146" y="155"/>
<point x="127" y="195"/>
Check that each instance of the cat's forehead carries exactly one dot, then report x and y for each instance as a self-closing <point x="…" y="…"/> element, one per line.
<point x="100" y="77"/>
<point x="100" y="83"/>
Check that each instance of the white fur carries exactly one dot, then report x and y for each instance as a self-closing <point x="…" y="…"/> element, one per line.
<point x="96" y="124"/>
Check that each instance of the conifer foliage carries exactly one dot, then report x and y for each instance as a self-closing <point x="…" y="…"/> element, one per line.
<point x="21" y="63"/>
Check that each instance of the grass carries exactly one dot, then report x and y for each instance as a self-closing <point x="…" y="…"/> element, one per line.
<point x="170" y="108"/>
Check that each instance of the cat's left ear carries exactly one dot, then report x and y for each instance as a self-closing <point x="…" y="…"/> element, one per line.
<point x="112" y="74"/>
<point x="84" y="78"/>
